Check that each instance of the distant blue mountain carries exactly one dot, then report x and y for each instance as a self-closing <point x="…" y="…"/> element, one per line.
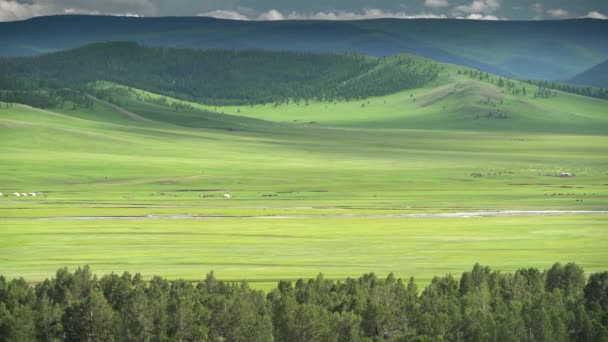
<point x="552" y="50"/>
<point x="596" y="76"/>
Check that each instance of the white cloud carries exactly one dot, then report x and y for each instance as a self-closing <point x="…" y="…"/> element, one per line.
<point x="538" y="8"/>
<point x="274" y="14"/>
<point x="557" y="12"/>
<point x="79" y="11"/>
<point x="436" y="3"/>
<point x="596" y="15"/>
<point x="477" y="16"/>
<point x="478" y="6"/>
<point x="13" y="10"/>
<point x="220" y="14"/>
<point x="133" y="15"/>
<point x="95" y="12"/>
<point x="373" y="13"/>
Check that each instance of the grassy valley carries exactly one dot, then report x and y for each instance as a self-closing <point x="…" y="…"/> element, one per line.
<point x="317" y="183"/>
<point x="258" y="195"/>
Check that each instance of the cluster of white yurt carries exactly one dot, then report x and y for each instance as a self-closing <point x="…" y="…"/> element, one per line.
<point x="21" y="194"/>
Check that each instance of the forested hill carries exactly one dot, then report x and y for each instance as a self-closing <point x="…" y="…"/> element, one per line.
<point x="596" y="76"/>
<point x="548" y="50"/>
<point x="229" y="76"/>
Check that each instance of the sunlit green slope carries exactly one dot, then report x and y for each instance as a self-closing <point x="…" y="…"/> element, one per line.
<point x="133" y="151"/>
<point x="466" y="140"/>
<point x="454" y="102"/>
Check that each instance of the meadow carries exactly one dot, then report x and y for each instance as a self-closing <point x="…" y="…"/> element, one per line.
<point x="264" y="251"/>
<point x="428" y="150"/>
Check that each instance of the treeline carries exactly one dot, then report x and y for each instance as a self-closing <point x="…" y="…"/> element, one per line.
<point x="224" y="77"/>
<point x="544" y="89"/>
<point x="484" y="305"/>
<point x="113" y="92"/>
<point x="546" y="86"/>
<point x="509" y="85"/>
<point x="41" y="93"/>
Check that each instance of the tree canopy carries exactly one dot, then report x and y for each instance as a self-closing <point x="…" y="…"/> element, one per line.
<point x="558" y="304"/>
<point x="228" y="76"/>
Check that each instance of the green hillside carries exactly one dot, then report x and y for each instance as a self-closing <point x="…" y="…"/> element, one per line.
<point x="349" y="90"/>
<point x="458" y="103"/>
<point x="459" y="99"/>
<point x="230" y="77"/>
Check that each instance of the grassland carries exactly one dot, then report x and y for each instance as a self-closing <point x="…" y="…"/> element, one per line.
<point x="266" y="250"/>
<point x="427" y="150"/>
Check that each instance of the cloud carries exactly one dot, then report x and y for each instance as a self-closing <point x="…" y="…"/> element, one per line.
<point x="478" y="6"/>
<point x="477" y="16"/>
<point x="79" y="11"/>
<point x="106" y="7"/>
<point x="13" y="10"/>
<point x="538" y="8"/>
<point x="557" y="12"/>
<point x="436" y="3"/>
<point x="373" y="13"/>
<point x="274" y="14"/>
<point x="596" y="15"/>
<point x="221" y="14"/>
<point x="94" y="12"/>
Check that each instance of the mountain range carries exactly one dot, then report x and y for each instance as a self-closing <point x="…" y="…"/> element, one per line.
<point x="549" y="50"/>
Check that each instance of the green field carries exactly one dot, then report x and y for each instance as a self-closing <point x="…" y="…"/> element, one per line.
<point x="433" y="149"/>
<point x="266" y="250"/>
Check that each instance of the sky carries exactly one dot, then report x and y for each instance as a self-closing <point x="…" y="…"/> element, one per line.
<point x="11" y="10"/>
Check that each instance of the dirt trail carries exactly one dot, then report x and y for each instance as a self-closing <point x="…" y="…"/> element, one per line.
<point x="498" y="213"/>
<point x="129" y="114"/>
